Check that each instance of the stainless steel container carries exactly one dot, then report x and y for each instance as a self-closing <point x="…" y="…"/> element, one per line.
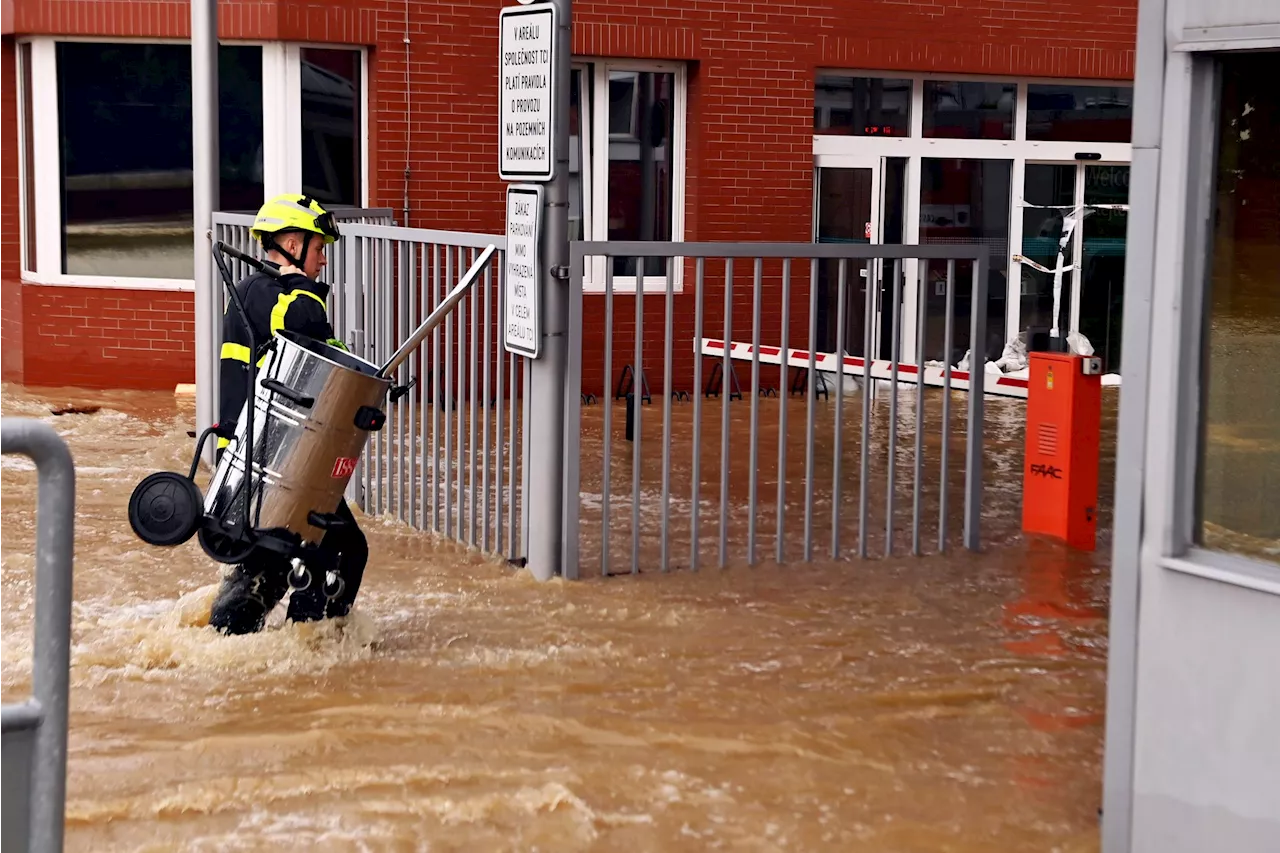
<point x="308" y="435"/>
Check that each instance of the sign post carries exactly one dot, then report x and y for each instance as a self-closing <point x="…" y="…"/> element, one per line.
<point x="533" y="148"/>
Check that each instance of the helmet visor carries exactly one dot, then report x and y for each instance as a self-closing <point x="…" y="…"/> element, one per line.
<point x="328" y="226"/>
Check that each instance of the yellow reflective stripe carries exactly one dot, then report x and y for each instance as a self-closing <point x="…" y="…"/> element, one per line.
<point x="223" y="442"/>
<point x="239" y="352"/>
<point x="282" y="307"/>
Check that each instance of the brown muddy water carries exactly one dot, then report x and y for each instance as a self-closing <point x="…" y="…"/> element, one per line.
<point x="940" y="703"/>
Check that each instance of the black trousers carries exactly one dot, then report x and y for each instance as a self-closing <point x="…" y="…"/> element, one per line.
<point x="256" y="586"/>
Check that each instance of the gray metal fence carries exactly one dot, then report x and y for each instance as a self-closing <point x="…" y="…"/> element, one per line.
<point x="35" y="731"/>
<point x="879" y="446"/>
<point x="450" y="459"/>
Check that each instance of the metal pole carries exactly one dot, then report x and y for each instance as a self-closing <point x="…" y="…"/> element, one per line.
<point x="51" y="653"/>
<point x="204" y="200"/>
<point x="546" y="450"/>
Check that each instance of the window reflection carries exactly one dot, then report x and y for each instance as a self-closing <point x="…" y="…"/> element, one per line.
<point x="965" y="202"/>
<point x="1048" y="239"/>
<point x="1079" y="113"/>
<point x="862" y="106"/>
<point x="124" y="112"/>
<point x="579" y="153"/>
<point x="1240" y="445"/>
<point x="955" y="110"/>
<point x="331" y="126"/>
<point x="641" y="176"/>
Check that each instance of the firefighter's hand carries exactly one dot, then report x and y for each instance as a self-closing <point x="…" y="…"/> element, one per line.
<point x="290" y="269"/>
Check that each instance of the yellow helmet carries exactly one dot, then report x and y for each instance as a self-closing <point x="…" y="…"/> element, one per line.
<point x="293" y="212"/>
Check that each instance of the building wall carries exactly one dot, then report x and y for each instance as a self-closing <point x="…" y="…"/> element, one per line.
<point x="749" y="138"/>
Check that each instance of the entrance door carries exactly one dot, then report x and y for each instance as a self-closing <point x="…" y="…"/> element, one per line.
<point x="1073" y="238"/>
<point x="847" y="193"/>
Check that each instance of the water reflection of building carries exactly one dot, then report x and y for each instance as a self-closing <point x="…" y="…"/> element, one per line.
<point x="713" y="126"/>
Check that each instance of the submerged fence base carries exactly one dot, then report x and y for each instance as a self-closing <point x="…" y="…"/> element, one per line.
<point x="35" y="732"/>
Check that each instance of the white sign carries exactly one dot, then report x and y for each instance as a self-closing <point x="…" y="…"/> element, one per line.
<point x="522" y="329"/>
<point x="527" y="49"/>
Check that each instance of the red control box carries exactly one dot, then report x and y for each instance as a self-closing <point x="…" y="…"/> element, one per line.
<point x="1064" y="425"/>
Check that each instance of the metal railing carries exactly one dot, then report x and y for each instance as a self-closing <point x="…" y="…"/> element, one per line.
<point x="877" y="444"/>
<point x="35" y="731"/>
<point x="451" y="456"/>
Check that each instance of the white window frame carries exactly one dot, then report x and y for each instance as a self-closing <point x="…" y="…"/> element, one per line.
<point x="828" y="148"/>
<point x="281" y="75"/>
<point x="595" y="181"/>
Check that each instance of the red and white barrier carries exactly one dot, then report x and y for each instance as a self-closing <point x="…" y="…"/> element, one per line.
<point x="1005" y="386"/>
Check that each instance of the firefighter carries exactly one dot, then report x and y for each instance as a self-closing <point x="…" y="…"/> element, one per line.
<point x="294" y="231"/>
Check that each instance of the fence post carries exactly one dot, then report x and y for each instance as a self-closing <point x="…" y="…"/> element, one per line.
<point x="544" y="454"/>
<point x="46" y="713"/>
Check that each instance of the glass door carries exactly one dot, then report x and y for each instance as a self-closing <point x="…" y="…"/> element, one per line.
<point x="1099" y="298"/>
<point x="847" y="202"/>
<point x="1074" y="219"/>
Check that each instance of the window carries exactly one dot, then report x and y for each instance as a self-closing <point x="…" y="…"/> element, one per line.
<point x="862" y="106"/>
<point x="1036" y="170"/>
<point x="107" y="150"/>
<point x="125" y="159"/>
<point x="1239" y="466"/>
<point x="627" y="164"/>
<point x="331" y="125"/>
<point x="968" y="110"/>
<point x="1080" y="113"/>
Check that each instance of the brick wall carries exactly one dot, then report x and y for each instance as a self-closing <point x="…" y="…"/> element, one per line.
<point x="749" y="153"/>
<point x="11" y="350"/>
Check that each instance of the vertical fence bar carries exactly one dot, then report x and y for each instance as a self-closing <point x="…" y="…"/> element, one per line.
<point x="868" y="386"/>
<point x="499" y="437"/>
<point x="697" y="415"/>
<point x="607" y="399"/>
<point x="947" y="343"/>
<point x="424" y="387"/>
<point x="837" y="472"/>
<point x="402" y="318"/>
<point x="783" y="394"/>
<point x="448" y="397"/>
<point x="371" y="344"/>
<point x="412" y="398"/>
<point x="475" y="400"/>
<point x="812" y="394"/>
<point x="526" y="424"/>
<point x="463" y="375"/>
<point x="973" y="458"/>
<point x="668" y="351"/>
<point x="753" y="476"/>
<point x="922" y="291"/>
<point x="437" y="393"/>
<point x="512" y="454"/>
<point x="488" y="399"/>
<point x="893" y="407"/>
<point x="637" y="390"/>
<point x="726" y="391"/>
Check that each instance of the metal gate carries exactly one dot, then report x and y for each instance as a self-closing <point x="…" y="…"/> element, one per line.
<point x="728" y="282"/>
<point x="35" y="731"/>
<point x="450" y="459"/>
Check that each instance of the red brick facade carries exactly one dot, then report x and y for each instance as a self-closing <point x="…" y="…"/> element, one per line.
<point x="749" y="136"/>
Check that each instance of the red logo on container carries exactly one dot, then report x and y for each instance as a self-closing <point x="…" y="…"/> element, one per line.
<point x="343" y="467"/>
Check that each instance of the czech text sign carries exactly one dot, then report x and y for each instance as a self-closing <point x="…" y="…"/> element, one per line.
<point x="527" y="48"/>
<point x="522" y="329"/>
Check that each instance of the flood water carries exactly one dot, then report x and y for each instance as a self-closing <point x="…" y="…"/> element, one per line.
<point x="938" y="703"/>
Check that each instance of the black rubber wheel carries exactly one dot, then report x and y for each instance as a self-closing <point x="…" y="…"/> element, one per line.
<point x="224" y="548"/>
<point x="165" y="509"/>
